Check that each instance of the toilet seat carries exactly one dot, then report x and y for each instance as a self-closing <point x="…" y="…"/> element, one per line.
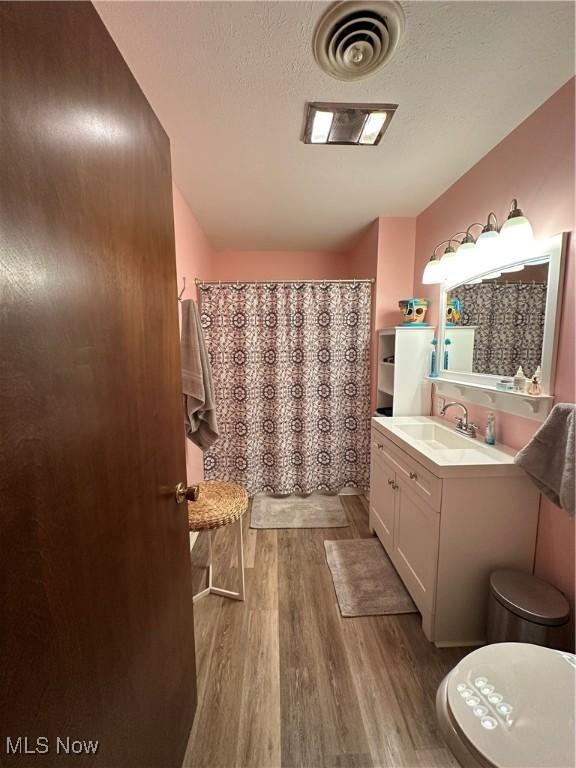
<point x="510" y="705"/>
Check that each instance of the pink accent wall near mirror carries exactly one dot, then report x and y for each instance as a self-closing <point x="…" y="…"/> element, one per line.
<point x="534" y="163"/>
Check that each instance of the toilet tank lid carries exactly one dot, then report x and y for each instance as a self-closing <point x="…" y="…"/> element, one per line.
<point x="529" y="597"/>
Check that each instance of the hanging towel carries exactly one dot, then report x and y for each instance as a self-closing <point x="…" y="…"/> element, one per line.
<point x="197" y="388"/>
<point x="549" y="457"/>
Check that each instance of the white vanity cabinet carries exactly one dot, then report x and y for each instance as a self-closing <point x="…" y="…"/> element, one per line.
<point x="446" y="532"/>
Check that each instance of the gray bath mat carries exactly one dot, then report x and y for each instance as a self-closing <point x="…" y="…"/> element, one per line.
<point x="365" y="581"/>
<point x="314" y="511"/>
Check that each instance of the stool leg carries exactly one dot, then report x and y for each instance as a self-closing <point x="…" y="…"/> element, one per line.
<point x="207" y="589"/>
<point x="240" y="559"/>
<point x="226" y="592"/>
<point x="209" y="560"/>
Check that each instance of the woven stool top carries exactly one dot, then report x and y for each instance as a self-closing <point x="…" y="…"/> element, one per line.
<point x="218" y="504"/>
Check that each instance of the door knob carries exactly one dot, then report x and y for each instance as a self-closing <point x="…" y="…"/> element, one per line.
<point x="185" y="492"/>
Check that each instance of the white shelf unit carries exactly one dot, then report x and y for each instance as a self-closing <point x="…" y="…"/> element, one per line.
<point x="454" y="386"/>
<point x="402" y="385"/>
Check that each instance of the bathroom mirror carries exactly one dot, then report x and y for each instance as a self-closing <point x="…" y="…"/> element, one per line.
<point x="495" y="321"/>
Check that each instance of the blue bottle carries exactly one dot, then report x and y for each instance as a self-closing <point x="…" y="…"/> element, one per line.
<point x="447" y="343"/>
<point x="433" y="361"/>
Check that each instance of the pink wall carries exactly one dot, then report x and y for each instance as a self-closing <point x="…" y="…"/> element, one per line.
<point x="279" y="265"/>
<point x="534" y="163"/>
<point x="395" y="275"/>
<point x="364" y="256"/>
<point x="193" y="259"/>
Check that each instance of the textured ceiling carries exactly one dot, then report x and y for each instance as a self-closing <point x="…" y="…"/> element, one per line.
<point x="229" y="81"/>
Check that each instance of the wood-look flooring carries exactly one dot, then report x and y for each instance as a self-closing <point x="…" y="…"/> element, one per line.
<point x="284" y="680"/>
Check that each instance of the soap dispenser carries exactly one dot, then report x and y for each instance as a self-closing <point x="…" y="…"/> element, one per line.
<point x="490" y="434"/>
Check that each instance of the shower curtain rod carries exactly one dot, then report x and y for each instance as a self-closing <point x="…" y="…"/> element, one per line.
<point x="198" y="281"/>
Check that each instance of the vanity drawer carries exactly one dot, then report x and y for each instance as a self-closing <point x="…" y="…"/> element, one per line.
<point x="420" y="480"/>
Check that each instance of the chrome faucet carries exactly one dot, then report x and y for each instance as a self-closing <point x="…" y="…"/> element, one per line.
<point x="462" y="423"/>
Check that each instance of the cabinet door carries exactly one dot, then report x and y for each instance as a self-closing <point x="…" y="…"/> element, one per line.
<point x="416" y="537"/>
<point x="382" y="500"/>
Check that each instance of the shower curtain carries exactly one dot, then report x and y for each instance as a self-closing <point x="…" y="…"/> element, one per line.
<point x="291" y="369"/>
<point x="510" y="325"/>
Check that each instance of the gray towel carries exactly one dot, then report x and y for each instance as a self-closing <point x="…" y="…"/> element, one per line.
<point x="200" y="416"/>
<point x="549" y="457"/>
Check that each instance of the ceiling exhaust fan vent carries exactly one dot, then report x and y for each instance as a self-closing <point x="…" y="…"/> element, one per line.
<point x="354" y="39"/>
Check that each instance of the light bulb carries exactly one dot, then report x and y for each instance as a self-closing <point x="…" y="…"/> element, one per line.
<point x="433" y="273"/>
<point x="321" y="127"/>
<point x="488" y="248"/>
<point x="448" y="262"/>
<point x="516" y="231"/>
<point x="464" y="258"/>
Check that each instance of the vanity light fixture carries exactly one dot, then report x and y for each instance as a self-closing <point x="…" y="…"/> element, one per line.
<point x="465" y="251"/>
<point x="450" y="256"/>
<point x="353" y="124"/>
<point x="467" y="244"/>
<point x="435" y="270"/>
<point x="516" y="233"/>
<point x="489" y="235"/>
<point x="516" y="230"/>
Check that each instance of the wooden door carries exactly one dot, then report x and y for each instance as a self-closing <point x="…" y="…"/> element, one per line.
<point x="96" y="625"/>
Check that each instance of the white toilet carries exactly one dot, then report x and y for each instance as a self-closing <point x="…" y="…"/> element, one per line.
<point x="510" y="705"/>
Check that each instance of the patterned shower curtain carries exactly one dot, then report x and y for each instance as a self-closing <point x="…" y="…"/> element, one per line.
<point x="291" y="369"/>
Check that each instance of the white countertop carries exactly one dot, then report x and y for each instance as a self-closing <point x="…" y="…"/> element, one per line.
<point x="445" y="452"/>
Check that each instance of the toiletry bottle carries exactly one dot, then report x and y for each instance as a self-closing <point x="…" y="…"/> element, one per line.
<point x="447" y="343"/>
<point x="535" y="387"/>
<point x="519" y="380"/>
<point x="490" y="434"/>
<point x="433" y="360"/>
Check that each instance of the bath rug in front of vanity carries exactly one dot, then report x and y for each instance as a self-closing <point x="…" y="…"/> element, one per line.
<point x="365" y="580"/>
<point x="314" y="511"/>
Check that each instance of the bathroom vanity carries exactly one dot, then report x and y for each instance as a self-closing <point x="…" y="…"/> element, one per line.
<point x="449" y="510"/>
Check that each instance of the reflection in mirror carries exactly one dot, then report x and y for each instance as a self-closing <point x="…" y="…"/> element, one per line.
<point x="496" y="323"/>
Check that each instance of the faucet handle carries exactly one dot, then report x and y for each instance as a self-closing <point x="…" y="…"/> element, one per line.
<point x="459" y="421"/>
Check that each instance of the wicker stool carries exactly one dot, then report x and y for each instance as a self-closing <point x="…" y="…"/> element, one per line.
<point x="219" y="504"/>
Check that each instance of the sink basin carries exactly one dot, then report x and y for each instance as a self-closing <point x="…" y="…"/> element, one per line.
<point x="440" y="448"/>
<point x="437" y="436"/>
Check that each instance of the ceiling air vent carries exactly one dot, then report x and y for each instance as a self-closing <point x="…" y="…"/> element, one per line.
<point x="354" y="39"/>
